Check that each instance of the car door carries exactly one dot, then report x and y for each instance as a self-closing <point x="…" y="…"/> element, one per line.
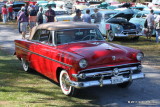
<point x="45" y="54"/>
<point x="138" y="19"/>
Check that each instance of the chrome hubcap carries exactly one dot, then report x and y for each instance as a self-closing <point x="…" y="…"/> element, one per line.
<point x="65" y="82"/>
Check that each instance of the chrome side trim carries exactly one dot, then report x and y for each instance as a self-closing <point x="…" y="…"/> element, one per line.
<point x="43" y="56"/>
<point x="105" y="82"/>
<point x="109" y="66"/>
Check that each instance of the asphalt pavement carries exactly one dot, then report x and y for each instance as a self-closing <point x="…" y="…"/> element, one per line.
<point x="142" y="92"/>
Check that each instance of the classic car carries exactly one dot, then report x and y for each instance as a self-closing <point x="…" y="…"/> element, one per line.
<point x="17" y="6"/>
<point x="115" y="24"/>
<point x="75" y="55"/>
<point x="140" y="18"/>
<point x="61" y="15"/>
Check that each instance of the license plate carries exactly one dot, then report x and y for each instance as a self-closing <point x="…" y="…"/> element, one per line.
<point x="117" y="79"/>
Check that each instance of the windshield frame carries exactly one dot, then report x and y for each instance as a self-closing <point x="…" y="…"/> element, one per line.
<point x="97" y="31"/>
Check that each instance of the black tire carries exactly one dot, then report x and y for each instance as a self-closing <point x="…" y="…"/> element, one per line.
<point x="110" y="35"/>
<point x="25" y="65"/>
<point x="136" y="38"/>
<point x="64" y="84"/>
<point x="125" y="84"/>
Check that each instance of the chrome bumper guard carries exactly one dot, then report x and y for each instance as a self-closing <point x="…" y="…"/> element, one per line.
<point x="105" y="81"/>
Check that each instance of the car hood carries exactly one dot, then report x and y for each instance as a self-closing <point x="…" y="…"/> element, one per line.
<point x="127" y="13"/>
<point x="98" y="53"/>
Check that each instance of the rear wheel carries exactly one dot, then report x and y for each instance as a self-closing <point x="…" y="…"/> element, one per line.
<point x="136" y="38"/>
<point x="110" y="35"/>
<point x="125" y="84"/>
<point x="65" y="85"/>
<point x="25" y="65"/>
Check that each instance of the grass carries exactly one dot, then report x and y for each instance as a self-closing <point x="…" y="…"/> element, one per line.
<point x="20" y="89"/>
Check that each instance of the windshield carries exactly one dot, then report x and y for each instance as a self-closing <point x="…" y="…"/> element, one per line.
<point x="76" y="35"/>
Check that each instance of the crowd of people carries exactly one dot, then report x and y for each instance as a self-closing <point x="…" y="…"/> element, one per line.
<point x="86" y="17"/>
<point x="28" y="16"/>
<point x="33" y="15"/>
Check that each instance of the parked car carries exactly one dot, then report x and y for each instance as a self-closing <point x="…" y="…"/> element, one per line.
<point x="75" y="55"/>
<point x="17" y="6"/>
<point x="115" y="24"/>
<point x="140" y="18"/>
<point x="61" y="15"/>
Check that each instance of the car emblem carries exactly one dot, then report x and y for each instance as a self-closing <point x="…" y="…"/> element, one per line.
<point x="115" y="71"/>
<point x="114" y="57"/>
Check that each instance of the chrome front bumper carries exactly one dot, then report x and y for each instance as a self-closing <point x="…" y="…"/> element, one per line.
<point x="127" y="35"/>
<point x="105" y="81"/>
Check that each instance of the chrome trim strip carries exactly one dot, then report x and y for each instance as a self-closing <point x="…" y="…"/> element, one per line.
<point x="109" y="72"/>
<point x="105" y="82"/>
<point x="109" y="66"/>
<point x="44" y="56"/>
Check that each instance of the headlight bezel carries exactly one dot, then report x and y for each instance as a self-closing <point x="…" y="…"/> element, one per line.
<point x="140" y="56"/>
<point x="83" y="63"/>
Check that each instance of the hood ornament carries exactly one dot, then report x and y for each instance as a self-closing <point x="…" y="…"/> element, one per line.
<point x="114" y="57"/>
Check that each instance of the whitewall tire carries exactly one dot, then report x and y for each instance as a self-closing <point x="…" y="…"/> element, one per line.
<point x="64" y="84"/>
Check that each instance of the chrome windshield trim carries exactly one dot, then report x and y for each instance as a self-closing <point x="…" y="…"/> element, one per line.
<point x="109" y="66"/>
<point x="44" y="56"/>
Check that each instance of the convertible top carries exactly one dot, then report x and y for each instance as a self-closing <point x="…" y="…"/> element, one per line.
<point x="60" y="26"/>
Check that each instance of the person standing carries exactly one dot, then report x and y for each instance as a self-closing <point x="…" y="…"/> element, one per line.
<point x="18" y="22"/>
<point x="150" y="24"/>
<point x="23" y="18"/>
<point x="10" y="11"/>
<point x="37" y="7"/>
<point x="157" y="21"/>
<point x="86" y="17"/>
<point x="50" y="14"/>
<point x="97" y="16"/>
<point x="32" y="18"/>
<point x="77" y="17"/>
<point x="40" y="16"/>
<point x="4" y="13"/>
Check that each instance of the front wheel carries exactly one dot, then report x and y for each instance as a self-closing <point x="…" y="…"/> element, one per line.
<point x="110" y="35"/>
<point x="65" y="84"/>
<point x="125" y="84"/>
<point x="25" y="65"/>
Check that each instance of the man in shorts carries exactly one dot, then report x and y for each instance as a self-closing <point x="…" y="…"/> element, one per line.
<point x="23" y="18"/>
<point x="150" y="24"/>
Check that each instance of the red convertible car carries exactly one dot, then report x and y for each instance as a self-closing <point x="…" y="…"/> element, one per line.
<point x="76" y="55"/>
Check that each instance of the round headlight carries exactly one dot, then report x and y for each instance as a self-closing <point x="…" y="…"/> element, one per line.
<point x="118" y="27"/>
<point x="140" y="56"/>
<point x="83" y="63"/>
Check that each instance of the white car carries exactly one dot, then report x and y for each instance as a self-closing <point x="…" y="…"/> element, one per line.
<point x="61" y="15"/>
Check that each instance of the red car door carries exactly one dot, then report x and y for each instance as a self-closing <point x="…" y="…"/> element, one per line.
<point x="45" y="54"/>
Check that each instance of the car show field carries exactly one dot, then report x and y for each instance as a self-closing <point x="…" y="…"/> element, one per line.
<point x="81" y="54"/>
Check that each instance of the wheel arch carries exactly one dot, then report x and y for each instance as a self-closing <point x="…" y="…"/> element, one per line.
<point x="58" y="71"/>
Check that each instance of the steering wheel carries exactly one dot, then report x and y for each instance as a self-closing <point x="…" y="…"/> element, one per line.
<point x="90" y="37"/>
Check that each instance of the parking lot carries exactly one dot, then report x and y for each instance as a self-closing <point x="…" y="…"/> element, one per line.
<point x="143" y="92"/>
